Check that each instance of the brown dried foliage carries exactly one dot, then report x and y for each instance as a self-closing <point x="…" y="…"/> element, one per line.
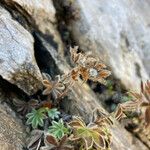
<point x="51" y="143"/>
<point x="92" y="135"/>
<point x="88" y="67"/>
<point x="56" y="87"/>
<point x="140" y="101"/>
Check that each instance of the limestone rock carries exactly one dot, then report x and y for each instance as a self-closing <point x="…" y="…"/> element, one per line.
<point x="17" y="62"/>
<point x="12" y="132"/>
<point x="43" y="14"/>
<point x="118" y="32"/>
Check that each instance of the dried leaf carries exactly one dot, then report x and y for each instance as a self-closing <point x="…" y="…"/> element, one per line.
<point x="84" y="73"/>
<point x="147" y="116"/>
<point x="51" y="143"/>
<point x="74" y="55"/>
<point x="88" y="142"/>
<point x="104" y="74"/>
<point x="56" y="88"/>
<point x="46" y="104"/>
<point x="92" y="135"/>
<point x="24" y="107"/>
<point x="89" y="67"/>
<point x="119" y="113"/>
<point x="75" y="74"/>
<point x="105" y="120"/>
<point x="33" y="143"/>
<point x="49" y="139"/>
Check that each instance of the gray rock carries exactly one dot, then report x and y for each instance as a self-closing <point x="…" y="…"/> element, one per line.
<point x="17" y="62"/>
<point x="118" y="32"/>
<point x="42" y="13"/>
<point x="12" y="131"/>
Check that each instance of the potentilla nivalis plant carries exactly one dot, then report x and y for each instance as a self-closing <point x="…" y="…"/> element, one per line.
<point x="89" y="67"/>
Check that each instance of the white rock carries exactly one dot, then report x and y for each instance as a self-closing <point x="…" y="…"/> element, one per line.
<point x="119" y="32"/>
<point x="17" y="61"/>
<point x="43" y="14"/>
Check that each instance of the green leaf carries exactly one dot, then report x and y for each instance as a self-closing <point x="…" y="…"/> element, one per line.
<point x="53" y="113"/>
<point x="36" y="117"/>
<point x="91" y="134"/>
<point x="58" y="129"/>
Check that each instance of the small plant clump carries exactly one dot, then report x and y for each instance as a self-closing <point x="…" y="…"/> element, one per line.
<point x="52" y="143"/>
<point x="36" y="117"/>
<point x="140" y="102"/>
<point x="58" y="130"/>
<point x="91" y="135"/>
<point x="51" y="132"/>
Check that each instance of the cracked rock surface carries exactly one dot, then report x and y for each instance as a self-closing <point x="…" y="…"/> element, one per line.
<point x="42" y="14"/>
<point x="17" y="62"/>
<point x="12" y="133"/>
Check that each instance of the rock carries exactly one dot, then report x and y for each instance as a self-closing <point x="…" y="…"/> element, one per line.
<point x="123" y="140"/>
<point x="12" y="131"/>
<point x="118" y="32"/>
<point x="42" y="13"/>
<point x="17" y="61"/>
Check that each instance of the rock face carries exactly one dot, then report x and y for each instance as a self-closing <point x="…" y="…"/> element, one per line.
<point x="119" y="32"/>
<point x="12" y="133"/>
<point x="17" y="62"/>
<point x="42" y="13"/>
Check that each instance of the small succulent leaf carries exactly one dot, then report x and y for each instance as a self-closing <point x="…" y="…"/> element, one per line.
<point x="47" y="83"/>
<point x="29" y="115"/>
<point x="82" y="132"/>
<point x="75" y="74"/>
<point x="100" y="66"/>
<point x="77" y="123"/>
<point x="88" y="142"/>
<point x="34" y="141"/>
<point x="51" y="140"/>
<point x="60" y="134"/>
<point x="46" y="76"/>
<point x="104" y="74"/>
<point x="119" y="114"/>
<point x="100" y="131"/>
<point x="57" y="124"/>
<point x="36" y="145"/>
<point x="42" y="110"/>
<point x="105" y="120"/>
<point x="53" y="113"/>
<point x="58" y="129"/>
<point x="36" y="117"/>
<point x="29" y="121"/>
<point x="60" y="86"/>
<point x="136" y="95"/>
<point x="47" y="91"/>
<point x="84" y="73"/>
<point x="46" y="104"/>
<point x="147" y="116"/>
<point x="99" y="141"/>
<point x="34" y="123"/>
<point x="63" y="140"/>
<point x="33" y="102"/>
<point x="40" y="122"/>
